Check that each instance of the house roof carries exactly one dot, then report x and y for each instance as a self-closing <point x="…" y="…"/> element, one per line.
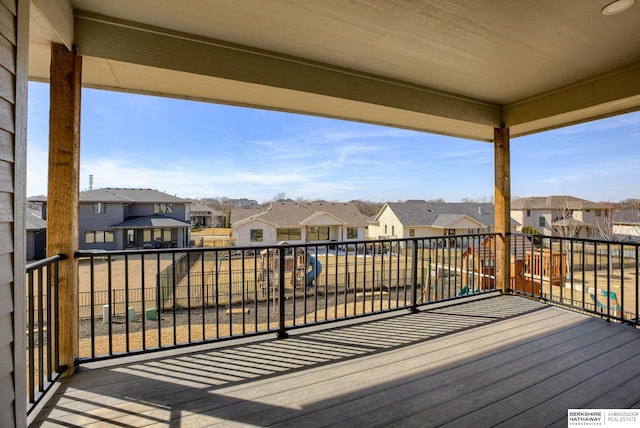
<point x="34" y="220"/>
<point x="199" y="208"/>
<point x="238" y="214"/>
<point x="295" y="214"/>
<point x="628" y="216"/>
<point x="440" y="214"/>
<point x="556" y="203"/>
<point x="455" y="67"/>
<point x="126" y="195"/>
<point x="152" y="221"/>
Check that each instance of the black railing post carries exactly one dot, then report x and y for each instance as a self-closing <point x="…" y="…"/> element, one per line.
<point x="414" y="276"/>
<point x="282" y="331"/>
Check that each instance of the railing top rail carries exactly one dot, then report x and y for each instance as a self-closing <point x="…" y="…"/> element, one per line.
<point x="94" y="253"/>
<point x="44" y="262"/>
<point x="576" y="239"/>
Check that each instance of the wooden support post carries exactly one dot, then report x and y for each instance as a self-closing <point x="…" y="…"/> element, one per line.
<point x="502" y="196"/>
<point x="63" y="190"/>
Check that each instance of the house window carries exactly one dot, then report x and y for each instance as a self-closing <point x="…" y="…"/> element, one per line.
<point x="352" y="233"/>
<point x="598" y="213"/>
<point x="541" y="222"/>
<point x="528" y="213"/>
<point x="146" y="235"/>
<point x="131" y="237"/>
<point x="97" y="236"/>
<point x="256" y="235"/>
<point x="450" y="232"/>
<point x="412" y="232"/>
<point x="385" y="229"/>
<point x="393" y="230"/>
<point x="99" y="208"/>
<point x="318" y="234"/>
<point x="289" y="234"/>
<point x="162" y="208"/>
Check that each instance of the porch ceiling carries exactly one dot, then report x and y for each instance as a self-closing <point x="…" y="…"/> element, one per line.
<point x="456" y="67"/>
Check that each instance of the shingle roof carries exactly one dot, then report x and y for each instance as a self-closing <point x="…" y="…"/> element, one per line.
<point x="128" y="195"/>
<point x="629" y="216"/>
<point x="199" y="208"/>
<point x="239" y="214"/>
<point x="109" y="194"/>
<point x="555" y="203"/>
<point x="420" y="213"/>
<point x="34" y="220"/>
<point x="150" y="222"/>
<point x="289" y="214"/>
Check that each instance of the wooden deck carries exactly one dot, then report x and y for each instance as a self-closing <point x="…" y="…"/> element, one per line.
<point x="503" y="361"/>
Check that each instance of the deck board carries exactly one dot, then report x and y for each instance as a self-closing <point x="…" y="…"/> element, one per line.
<point x="500" y="360"/>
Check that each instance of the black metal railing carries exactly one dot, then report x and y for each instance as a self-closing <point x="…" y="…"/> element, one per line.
<point x="147" y="300"/>
<point x="144" y="300"/>
<point x="589" y="275"/>
<point x="42" y="364"/>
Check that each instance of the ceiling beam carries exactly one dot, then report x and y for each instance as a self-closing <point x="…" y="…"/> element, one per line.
<point x="54" y="18"/>
<point x="602" y="96"/>
<point x="117" y="40"/>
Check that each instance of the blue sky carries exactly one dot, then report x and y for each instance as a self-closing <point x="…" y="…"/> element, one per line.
<point x="194" y="150"/>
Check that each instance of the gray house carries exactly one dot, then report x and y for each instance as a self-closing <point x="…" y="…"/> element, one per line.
<point x="117" y="219"/>
<point x="36" y="226"/>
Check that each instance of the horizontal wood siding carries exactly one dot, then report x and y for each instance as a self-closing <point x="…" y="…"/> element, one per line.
<point x="8" y="94"/>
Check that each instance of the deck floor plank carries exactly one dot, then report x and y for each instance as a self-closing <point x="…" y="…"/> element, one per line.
<point x="440" y="395"/>
<point x="425" y="373"/>
<point x="500" y="360"/>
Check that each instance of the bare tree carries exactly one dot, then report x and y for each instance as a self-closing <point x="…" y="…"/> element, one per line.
<point x="563" y="222"/>
<point x="368" y="208"/>
<point x="280" y="196"/>
<point x="605" y="224"/>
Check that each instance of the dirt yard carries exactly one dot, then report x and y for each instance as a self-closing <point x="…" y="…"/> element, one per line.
<point x="209" y="324"/>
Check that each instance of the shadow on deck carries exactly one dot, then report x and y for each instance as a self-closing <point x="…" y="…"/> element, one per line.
<point x="502" y="360"/>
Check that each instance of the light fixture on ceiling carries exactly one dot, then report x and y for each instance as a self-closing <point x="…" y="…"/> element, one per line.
<point x="617" y="6"/>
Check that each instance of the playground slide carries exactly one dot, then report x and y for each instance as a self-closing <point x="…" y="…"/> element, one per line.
<point x="316" y="268"/>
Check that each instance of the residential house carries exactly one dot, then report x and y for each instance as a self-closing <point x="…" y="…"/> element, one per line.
<point x="292" y="222"/>
<point x="36" y="227"/>
<point x="202" y="215"/>
<point x="417" y="218"/>
<point x="566" y="216"/>
<point x="244" y="203"/>
<point x="117" y="219"/>
<point x="626" y="224"/>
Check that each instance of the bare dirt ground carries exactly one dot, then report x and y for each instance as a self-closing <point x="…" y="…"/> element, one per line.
<point x="210" y="324"/>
